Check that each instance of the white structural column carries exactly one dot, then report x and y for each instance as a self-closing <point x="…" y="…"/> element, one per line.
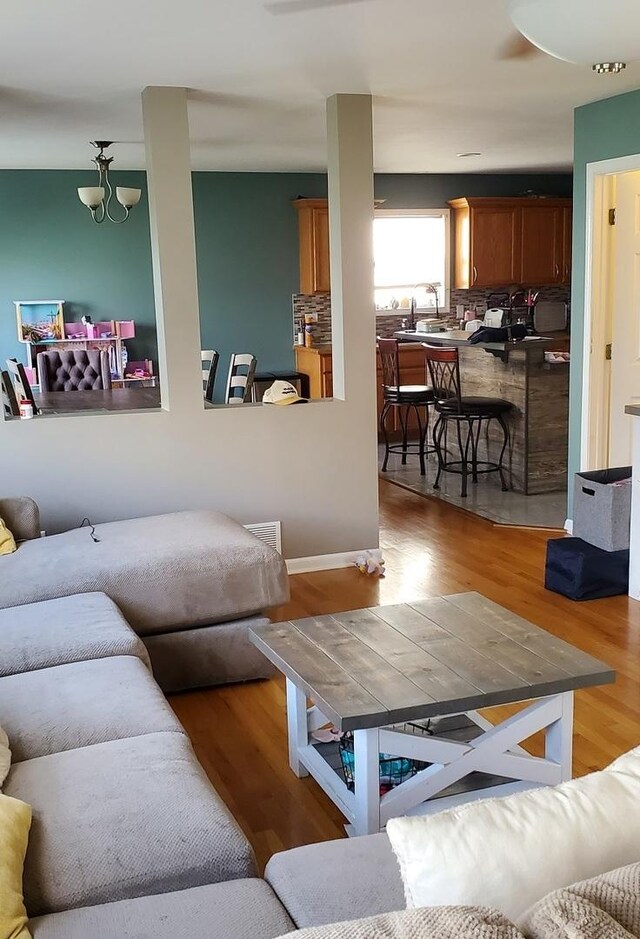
<point x="350" y="169"/>
<point x="634" y="548"/>
<point x="166" y="134"/>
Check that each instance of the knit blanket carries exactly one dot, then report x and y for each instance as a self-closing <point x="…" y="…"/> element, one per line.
<point x="437" y="922"/>
<point x="605" y="907"/>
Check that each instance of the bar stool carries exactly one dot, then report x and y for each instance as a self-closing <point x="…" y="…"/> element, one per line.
<point x="470" y="411"/>
<point x="404" y="398"/>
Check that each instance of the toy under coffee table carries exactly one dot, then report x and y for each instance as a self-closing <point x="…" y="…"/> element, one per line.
<point x="373" y="672"/>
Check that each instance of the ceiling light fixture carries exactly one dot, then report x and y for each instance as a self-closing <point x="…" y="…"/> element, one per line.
<point x="581" y="31"/>
<point x="94" y="196"/>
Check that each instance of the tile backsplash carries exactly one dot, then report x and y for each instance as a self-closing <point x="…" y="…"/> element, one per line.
<point x="388" y="322"/>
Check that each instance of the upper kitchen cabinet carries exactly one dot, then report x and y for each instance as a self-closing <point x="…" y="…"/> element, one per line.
<point x="313" y="225"/>
<point x="486" y="241"/>
<point x="501" y="242"/>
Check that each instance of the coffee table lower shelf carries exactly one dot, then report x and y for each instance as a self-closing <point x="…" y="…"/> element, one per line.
<point x="495" y="751"/>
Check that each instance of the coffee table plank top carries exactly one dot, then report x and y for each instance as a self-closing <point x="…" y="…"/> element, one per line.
<point x="369" y="668"/>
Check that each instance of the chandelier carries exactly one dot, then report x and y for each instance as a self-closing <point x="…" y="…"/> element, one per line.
<point x="98" y="199"/>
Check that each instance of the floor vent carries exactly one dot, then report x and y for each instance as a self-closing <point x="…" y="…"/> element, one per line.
<point x="269" y="532"/>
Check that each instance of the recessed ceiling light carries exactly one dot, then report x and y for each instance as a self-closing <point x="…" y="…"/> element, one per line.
<point x="471" y="153"/>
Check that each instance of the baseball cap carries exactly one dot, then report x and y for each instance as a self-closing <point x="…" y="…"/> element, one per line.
<point x="282" y="392"/>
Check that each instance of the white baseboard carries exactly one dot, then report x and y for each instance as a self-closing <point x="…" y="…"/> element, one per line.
<point x="568" y="526"/>
<point x="324" y="562"/>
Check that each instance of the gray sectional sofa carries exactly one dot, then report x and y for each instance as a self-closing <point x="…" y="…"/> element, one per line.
<point x="128" y="837"/>
<point x="189" y="583"/>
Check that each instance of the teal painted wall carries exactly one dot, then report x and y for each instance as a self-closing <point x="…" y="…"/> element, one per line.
<point x="51" y="250"/>
<point x="603" y="131"/>
<point x="247" y="245"/>
<point x="247" y="248"/>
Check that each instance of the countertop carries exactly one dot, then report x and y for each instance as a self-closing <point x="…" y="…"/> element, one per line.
<point x="321" y="348"/>
<point x="457" y="337"/>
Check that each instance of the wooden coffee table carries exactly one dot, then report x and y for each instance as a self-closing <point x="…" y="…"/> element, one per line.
<point x="368" y="670"/>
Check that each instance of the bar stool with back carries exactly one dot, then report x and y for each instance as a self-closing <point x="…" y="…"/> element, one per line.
<point x="451" y="405"/>
<point x="403" y="398"/>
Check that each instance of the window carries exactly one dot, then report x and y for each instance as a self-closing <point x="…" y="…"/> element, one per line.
<point x="411" y="256"/>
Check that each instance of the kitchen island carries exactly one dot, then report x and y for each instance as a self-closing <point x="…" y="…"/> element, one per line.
<point x="516" y="371"/>
<point x="539" y="392"/>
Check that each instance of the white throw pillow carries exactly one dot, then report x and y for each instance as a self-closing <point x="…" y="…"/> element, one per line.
<point x="509" y="853"/>
<point x="5" y="756"/>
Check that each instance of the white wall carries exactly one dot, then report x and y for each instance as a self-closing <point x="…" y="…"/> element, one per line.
<point x="312" y="466"/>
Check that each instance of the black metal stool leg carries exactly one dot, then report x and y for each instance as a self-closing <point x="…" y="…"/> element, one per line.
<point x="475" y="440"/>
<point x="421" y="436"/>
<point x="438" y="432"/>
<point x="404" y="420"/>
<point x="383" y="429"/>
<point x="464" y="454"/>
<point x="505" y="431"/>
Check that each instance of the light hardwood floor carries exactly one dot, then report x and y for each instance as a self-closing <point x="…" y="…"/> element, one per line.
<point x="431" y="548"/>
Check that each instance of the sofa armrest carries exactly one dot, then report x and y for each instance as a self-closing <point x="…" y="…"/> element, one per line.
<point x="22" y="517"/>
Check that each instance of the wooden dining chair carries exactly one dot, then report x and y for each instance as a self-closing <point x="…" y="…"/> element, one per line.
<point x="210" y="359"/>
<point x="21" y="385"/>
<point x="10" y="406"/>
<point x="242" y="369"/>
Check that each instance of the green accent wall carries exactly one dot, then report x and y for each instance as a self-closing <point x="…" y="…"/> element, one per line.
<point x="603" y="130"/>
<point x="51" y="250"/>
<point x="247" y="248"/>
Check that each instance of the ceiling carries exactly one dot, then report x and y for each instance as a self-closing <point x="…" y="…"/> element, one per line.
<point x="71" y="72"/>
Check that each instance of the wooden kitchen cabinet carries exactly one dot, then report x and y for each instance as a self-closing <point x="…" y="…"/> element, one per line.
<point x="542" y="232"/>
<point x="316" y="362"/>
<point x="313" y="236"/>
<point x="502" y="242"/>
<point x="486" y="243"/>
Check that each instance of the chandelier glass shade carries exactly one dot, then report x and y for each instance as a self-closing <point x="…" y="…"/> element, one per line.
<point x="99" y="199"/>
<point x="585" y="32"/>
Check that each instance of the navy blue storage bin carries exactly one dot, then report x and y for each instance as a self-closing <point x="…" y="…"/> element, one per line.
<point x="581" y="571"/>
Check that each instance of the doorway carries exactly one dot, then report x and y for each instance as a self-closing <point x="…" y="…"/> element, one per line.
<point x="611" y="375"/>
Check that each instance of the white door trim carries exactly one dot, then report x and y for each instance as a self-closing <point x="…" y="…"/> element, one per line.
<point x="594" y="171"/>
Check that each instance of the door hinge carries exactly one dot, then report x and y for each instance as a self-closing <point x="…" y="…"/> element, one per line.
<point x="607" y="352"/>
<point x="612" y="216"/>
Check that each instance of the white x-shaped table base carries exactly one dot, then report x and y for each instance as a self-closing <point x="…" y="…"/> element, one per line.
<point x="496" y="751"/>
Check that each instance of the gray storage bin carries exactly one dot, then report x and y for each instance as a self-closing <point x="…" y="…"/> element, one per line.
<point x="602" y="509"/>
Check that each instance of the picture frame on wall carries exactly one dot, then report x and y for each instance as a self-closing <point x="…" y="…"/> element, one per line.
<point x="39" y="320"/>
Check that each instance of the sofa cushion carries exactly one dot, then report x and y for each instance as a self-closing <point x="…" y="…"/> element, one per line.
<point x="70" y="706"/>
<point x="123" y="819"/>
<point x="71" y="629"/>
<point x="441" y="922"/>
<point x="209" y="655"/>
<point x="15" y="818"/>
<point x="337" y="880"/>
<point x="551" y="837"/>
<point x="22" y="516"/>
<point x="238" y="909"/>
<point x="165" y="572"/>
